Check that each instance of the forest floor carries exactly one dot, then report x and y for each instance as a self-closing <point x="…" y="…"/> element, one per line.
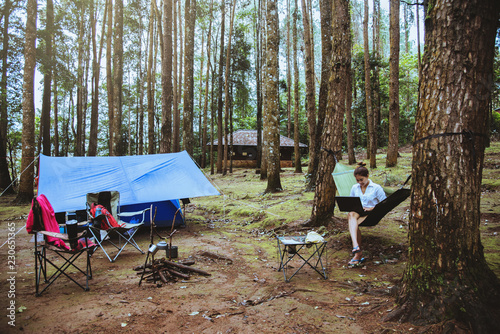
<point x="245" y="293"/>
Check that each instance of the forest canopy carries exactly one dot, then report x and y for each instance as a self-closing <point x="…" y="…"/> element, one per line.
<point x="76" y="50"/>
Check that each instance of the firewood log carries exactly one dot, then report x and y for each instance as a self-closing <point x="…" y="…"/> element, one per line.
<point x="187" y="268"/>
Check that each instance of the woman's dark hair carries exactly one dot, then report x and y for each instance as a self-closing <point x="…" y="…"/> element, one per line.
<point x="361" y="170"/>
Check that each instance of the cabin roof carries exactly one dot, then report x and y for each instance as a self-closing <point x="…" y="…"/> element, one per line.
<point x="249" y="138"/>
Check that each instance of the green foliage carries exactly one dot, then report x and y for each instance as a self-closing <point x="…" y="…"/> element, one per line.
<point x="496" y="75"/>
<point x="408" y="96"/>
<point x="495" y="123"/>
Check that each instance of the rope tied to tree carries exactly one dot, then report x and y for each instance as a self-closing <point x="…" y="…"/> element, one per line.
<point x="18" y="177"/>
<point x="469" y="135"/>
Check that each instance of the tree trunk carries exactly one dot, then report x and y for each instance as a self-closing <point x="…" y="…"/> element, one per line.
<point x="96" y="66"/>
<point x="150" y="77"/>
<point x="5" y="179"/>
<point x="207" y="80"/>
<point x="324" y="196"/>
<point x="166" y="71"/>
<point x="175" y="79"/>
<point x="348" y="108"/>
<point x="407" y="21"/>
<point x="80" y="82"/>
<point x="220" y="131"/>
<point x="190" y="18"/>
<point x="393" y="144"/>
<point x="271" y="121"/>
<point x="94" y="113"/>
<point x="447" y="277"/>
<point x="370" y="117"/>
<point x="227" y="104"/>
<point x="263" y="78"/>
<point x="118" y="148"/>
<point x="47" y="80"/>
<point x="288" y="73"/>
<point x="25" y="193"/>
<point x="201" y="95"/>
<point x="56" y="118"/>
<point x="85" y="96"/>
<point x="213" y="113"/>
<point x="310" y="99"/>
<point x="326" y="59"/>
<point x="376" y="73"/>
<point x="140" y="85"/>
<point x="177" y="113"/>
<point x="296" y="93"/>
<point x="109" y="75"/>
<point x="417" y="10"/>
<point x="258" y="79"/>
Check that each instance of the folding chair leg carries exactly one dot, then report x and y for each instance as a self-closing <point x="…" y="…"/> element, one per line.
<point x="61" y="270"/>
<point x="40" y="268"/>
<point x="130" y="240"/>
<point x="97" y="237"/>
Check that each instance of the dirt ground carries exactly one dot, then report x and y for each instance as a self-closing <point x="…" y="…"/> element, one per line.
<point x="245" y="295"/>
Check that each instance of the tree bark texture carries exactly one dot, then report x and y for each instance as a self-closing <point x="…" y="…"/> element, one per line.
<point x="166" y="71"/>
<point x="80" y="91"/>
<point x="288" y="73"/>
<point x="109" y="74"/>
<point x="56" y="119"/>
<point x="118" y="148"/>
<point x="94" y="113"/>
<point x="188" y="136"/>
<point x="220" y="129"/>
<point x="5" y="179"/>
<point x="376" y="73"/>
<point x="25" y="193"/>
<point x="370" y="117"/>
<point x="180" y="77"/>
<point x="324" y="196"/>
<point x="310" y="98"/>
<point x="393" y="144"/>
<point x="204" y="133"/>
<point x="447" y="276"/>
<point x="348" y="107"/>
<point x="149" y="90"/>
<point x="271" y="121"/>
<point x="326" y="59"/>
<point x="227" y="97"/>
<point x="175" y="79"/>
<point x="258" y="79"/>
<point x="47" y="80"/>
<point x="296" y="93"/>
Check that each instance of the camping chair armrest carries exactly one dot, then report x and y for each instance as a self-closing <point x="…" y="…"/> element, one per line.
<point x="135" y="213"/>
<point x="62" y="236"/>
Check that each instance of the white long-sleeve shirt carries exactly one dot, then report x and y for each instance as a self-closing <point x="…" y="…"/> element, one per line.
<point x="372" y="196"/>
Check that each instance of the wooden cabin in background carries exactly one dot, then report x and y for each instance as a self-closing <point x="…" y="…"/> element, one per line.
<point x="245" y="149"/>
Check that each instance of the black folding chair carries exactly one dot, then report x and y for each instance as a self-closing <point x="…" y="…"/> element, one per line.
<point x="43" y="249"/>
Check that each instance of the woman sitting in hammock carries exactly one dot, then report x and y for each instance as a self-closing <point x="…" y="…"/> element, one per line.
<point x="370" y="194"/>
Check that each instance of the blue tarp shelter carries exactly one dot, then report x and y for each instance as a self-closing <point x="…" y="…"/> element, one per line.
<point x="158" y="179"/>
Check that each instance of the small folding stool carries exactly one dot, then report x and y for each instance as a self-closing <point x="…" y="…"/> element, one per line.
<point x="290" y="247"/>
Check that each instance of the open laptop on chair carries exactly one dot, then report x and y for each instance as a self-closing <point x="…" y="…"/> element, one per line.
<point x="350" y="203"/>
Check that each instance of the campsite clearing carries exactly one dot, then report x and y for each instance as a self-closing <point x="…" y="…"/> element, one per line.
<point x="246" y="294"/>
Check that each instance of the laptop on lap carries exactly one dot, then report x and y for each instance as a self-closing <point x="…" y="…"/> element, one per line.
<point x="350" y="203"/>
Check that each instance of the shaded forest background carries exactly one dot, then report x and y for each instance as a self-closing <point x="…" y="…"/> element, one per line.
<point x="217" y="64"/>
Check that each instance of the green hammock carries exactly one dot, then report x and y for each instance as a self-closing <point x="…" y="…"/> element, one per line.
<point x="344" y="179"/>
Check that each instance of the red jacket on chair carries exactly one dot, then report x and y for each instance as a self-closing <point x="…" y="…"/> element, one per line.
<point x="112" y="221"/>
<point x="49" y="221"/>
